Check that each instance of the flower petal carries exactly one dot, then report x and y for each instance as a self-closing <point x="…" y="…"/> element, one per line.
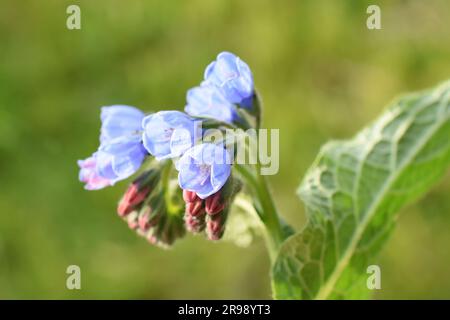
<point x="219" y="175"/>
<point x="127" y="164"/>
<point x="159" y="129"/>
<point x="180" y="141"/>
<point x="233" y="77"/>
<point x="88" y="174"/>
<point x="208" y="102"/>
<point x="120" y="120"/>
<point x="204" y="169"/>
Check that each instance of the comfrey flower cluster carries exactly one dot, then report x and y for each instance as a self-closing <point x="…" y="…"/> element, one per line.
<point x="168" y="147"/>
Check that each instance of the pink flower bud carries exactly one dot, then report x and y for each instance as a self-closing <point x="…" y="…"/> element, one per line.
<point x="215" y="228"/>
<point x="137" y="192"/>
<point x="195" y="208"/>
<point x="195" y="224"/>
<point x="214" y="203"/>
<point x="133" y="197"/>
<point x="189" y="196"/>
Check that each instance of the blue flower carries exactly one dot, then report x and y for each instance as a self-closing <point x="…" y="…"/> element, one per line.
<point x="207" y="101"/>
<point x="233" y="76"/>
<point x="121" y="152"/>
<point x="204" y="169"/>
<point x="120" y="157"/>
<point x="167" y="134"/>
<point x="88" y="174"/>
<point x="120" y="121"/>
<point x="111" y="163"/>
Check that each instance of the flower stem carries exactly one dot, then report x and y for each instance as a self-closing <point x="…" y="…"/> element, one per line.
<point x="265" y="207"/>
<point x="165" y="180"/>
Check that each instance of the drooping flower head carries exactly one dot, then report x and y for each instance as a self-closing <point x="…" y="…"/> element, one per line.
<point x="88" y="174"/>
<point x="204" y="169"/>
<point x="167" y="134"/>
<point x="208" y="101"/>
<point x="233" y="76"/>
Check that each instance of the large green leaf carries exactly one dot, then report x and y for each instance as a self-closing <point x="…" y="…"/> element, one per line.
<point x="353" y="193"/>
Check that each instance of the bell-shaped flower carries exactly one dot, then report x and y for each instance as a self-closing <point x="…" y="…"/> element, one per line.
<point x="168" y="134"/>
<point x="120" y="153"/>
<point x="120" y="158"/>
<point x="204" y="169"/>
<point x="233" y="76"/>
<point x="88" y="174"/>
<point x="120" y="121"/>
<point x="207" y="101"/>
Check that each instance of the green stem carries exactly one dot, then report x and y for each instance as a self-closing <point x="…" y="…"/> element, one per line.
<point x="165" y="180"/>
<point x="265" y="207"/>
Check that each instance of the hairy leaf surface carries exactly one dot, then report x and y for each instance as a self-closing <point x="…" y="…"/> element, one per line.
<point x="353" y="193"/>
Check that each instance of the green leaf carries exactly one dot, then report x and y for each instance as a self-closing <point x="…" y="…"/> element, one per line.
<point x="353" y="193"/>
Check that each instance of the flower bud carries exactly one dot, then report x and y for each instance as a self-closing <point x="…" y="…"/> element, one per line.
<point x="221" y="200"/>
<point x="143" y="220"/>
<point x="166" y="231"/>
<point x="215" y="226"/>
<point x="195" y="224"/>
<point x="150" y="214"/>
<point x="194" y="205"/>
<point x="137" y="192"/>
<point x="232" y="76"/>
<point x="189" y="196"/>
<point x="211" y="213"/>
<point x="194" y="218"/>
<point x="214" y="203"/>
<point x="195" y="208"/>
<point x="132" y="220"/>
<point x="153" y="215"/>
<point x="132" y="198"/>
<point x="217" y="206"/>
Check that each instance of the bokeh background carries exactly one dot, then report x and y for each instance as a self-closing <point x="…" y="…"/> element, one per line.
<point x="321" y="72"/>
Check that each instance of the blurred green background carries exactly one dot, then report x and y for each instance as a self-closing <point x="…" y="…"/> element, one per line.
<point x="321" y="72"/>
